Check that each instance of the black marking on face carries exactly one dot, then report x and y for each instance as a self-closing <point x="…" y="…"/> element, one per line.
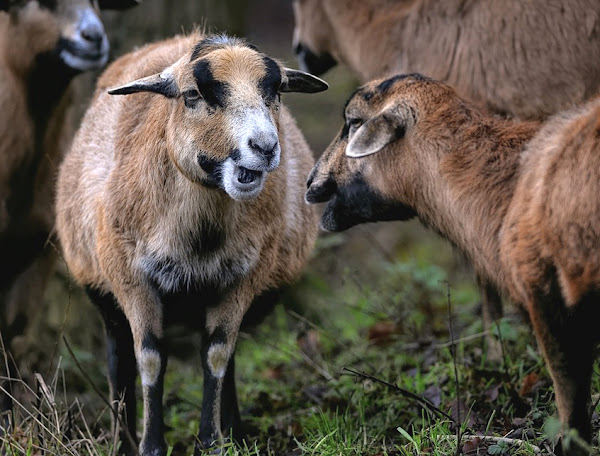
<point x="315" y="64"/>
<point x="356" y="203"/>
<point x="384" y="86"/>
<point x="270" y="82"/>
<point x="321" y="193"/>
<point x="213" y="91"/>
<point x="212" y="168"/>
<point x="49" y="4"/>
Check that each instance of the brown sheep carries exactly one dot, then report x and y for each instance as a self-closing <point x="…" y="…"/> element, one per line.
<point x="43" y="46"/>
<point x="522" y="59"/>
<point x="519" y="200"/>
<point x="185" y="202"/>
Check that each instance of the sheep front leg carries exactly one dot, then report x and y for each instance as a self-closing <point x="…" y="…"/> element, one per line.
<point x="564" y="336"/>
<point x="144" y="313"/>
<point x="219" y="403"/>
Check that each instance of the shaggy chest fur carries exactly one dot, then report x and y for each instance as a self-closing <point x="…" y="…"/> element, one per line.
<point x="204" y="257"/>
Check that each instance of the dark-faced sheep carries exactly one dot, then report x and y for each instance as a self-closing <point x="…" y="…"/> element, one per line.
<point x="519" y="200"/>
<point x="43" y="46"/>
<point x="185" y="200"/>
<point x="522" y="59"/>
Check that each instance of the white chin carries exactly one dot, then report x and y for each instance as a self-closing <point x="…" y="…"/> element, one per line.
<point x="242" y="191"/>
<point x="80" y="64"/>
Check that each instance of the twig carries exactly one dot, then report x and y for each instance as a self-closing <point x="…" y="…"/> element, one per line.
<point x="425" y="403"/>
<point x="507" y="440"/>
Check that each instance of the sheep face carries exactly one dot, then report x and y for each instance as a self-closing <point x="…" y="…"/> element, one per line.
<point x="222" y="131"/>
<point x="312" y="36"/>
<point x="67" y="30"/>
<point x="371" y="171"/>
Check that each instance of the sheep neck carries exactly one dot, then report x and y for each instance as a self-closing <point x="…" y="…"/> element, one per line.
<point x="475" y="185"/>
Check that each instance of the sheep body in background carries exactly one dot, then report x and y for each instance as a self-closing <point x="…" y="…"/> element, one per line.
<point x="519" y="200"/>
<point x="520" y="59"/>
<point x="43" y="46"/>
<point x="185" y="200"/>
<point x="524" y="59"/>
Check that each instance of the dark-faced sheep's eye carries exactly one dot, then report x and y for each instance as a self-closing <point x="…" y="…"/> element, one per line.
<point x="191" y="97"/>
<point x="353" y="124"/>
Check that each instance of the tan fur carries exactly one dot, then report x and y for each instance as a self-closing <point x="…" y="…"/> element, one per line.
<point x="527" y="59"/>
<point x="35" y="133"/>
<point x="129" y="190"/>
<point x="519" y="200"/>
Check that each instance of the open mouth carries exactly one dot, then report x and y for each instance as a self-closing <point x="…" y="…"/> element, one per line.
<point x="83" y="58"/>
<point x="248" y="176"/>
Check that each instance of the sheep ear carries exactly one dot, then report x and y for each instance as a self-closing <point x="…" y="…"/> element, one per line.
<point x="374" y="135"/>
<point x="299" y="81"/>
<point x="162" y="83"/>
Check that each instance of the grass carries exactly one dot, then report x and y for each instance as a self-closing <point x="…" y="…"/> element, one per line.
<point x="360" y="361"/>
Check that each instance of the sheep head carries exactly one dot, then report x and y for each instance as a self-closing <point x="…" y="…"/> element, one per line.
<point x="68" y="31"/>
<point x="312" y="40"/>
<point x="223" y="130"/>
<point x="374" y="169"/>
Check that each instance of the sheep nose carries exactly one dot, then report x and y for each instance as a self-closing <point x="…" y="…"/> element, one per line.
<point x="265" y="148"/>
<point x="91" y="30"/>
<point x="320" y="192"/>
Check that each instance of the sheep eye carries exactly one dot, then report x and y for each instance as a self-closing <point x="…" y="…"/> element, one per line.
<point x="353" y="124"/>
<point x="191" y="96"/>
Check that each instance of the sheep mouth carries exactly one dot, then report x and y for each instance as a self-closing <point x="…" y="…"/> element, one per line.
<point x="83" y="57"/>
<point x="248" y="176"/>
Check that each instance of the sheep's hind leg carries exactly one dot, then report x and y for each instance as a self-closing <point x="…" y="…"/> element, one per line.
<point x="121" y="367"/>
<point x="491" y="310"/>
<point x="565" y="337"/>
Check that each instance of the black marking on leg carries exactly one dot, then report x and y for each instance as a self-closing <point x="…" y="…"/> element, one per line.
<point x="121" y="363"/>
<point x="231" y="421"/>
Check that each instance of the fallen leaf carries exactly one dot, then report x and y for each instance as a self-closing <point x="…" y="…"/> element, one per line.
<point x="381" y="332"/>
<point x="471" y="445"/>
<point x="528" y="384"/>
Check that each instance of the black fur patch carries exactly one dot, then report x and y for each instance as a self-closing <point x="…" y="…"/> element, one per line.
<point x="151" y="342"/>
<point x="357" y="203"/>
<point x="216" y="42"/>
<point x="213" y="91"/>
<point x="385" y="85"/>
<point x="212" y="168"/>
<point x="49" y="4"/>
<point x="270" y="82"/>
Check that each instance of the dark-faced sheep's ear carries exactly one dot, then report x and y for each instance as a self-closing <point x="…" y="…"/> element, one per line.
<point x="299" y="81"/>
<point x="375" y="134"/>
<point x="162" y="83"/>
<point x="118" y="4"/>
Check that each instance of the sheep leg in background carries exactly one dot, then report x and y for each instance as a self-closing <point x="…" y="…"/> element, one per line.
<point x="222" y="325"/>
<point x="491" y="311"/>
<point x="121" y="365"/>
<point x="566" y="341"/>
